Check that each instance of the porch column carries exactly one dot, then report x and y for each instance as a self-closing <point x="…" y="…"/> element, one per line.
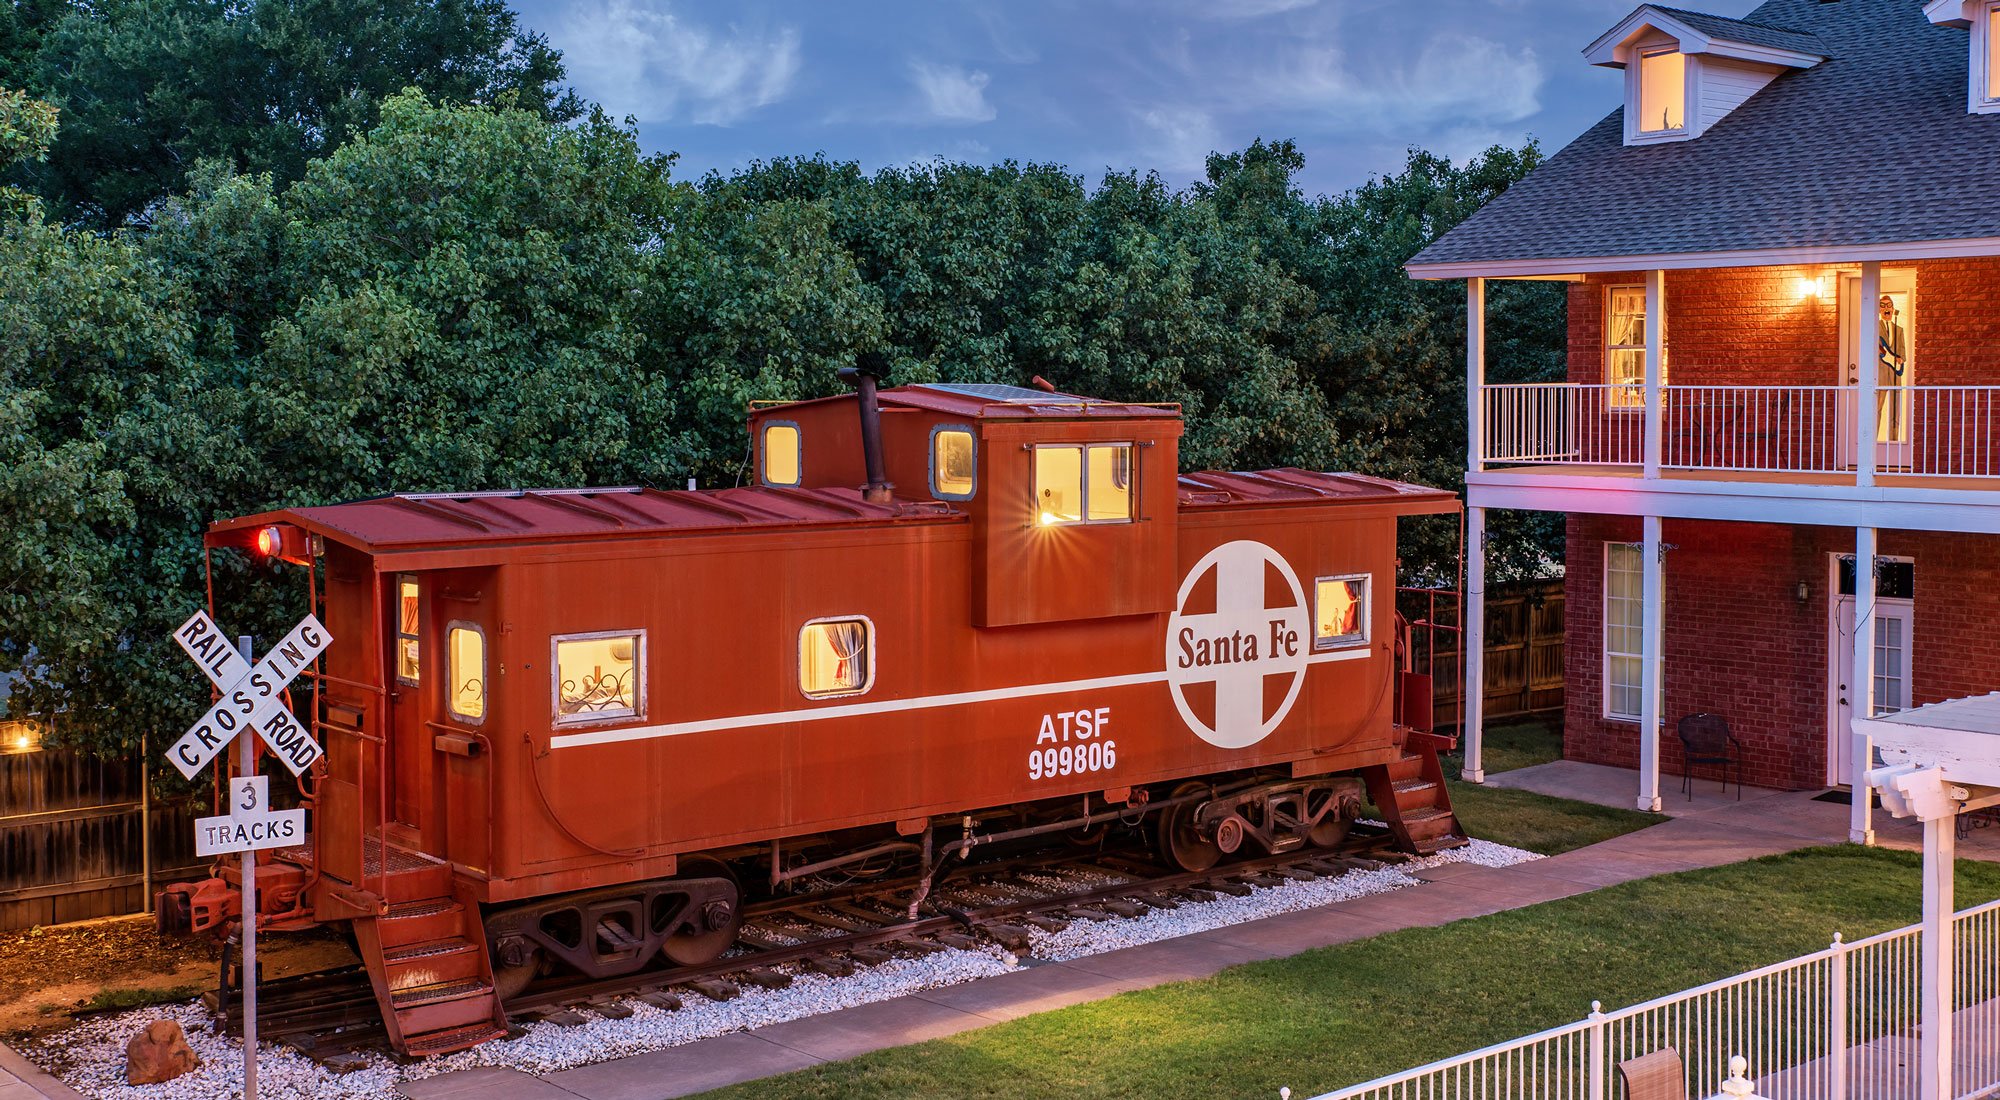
<point x="1867" y="367"/>
<point x="1656" y="331"/>
<point x="1861" y="683"/>
<point x="1651" y="665"/>
<point x="1935" y="1048"/>
<point x="1472" y="704"/>
<point x="1472" y="699"/>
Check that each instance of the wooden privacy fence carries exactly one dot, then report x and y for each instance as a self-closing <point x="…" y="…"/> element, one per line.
<point x="1524" y="650"/>
<point x="77" y="833"/>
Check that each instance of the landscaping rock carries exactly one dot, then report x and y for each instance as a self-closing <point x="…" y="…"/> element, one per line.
<point x="158" y="1054"/>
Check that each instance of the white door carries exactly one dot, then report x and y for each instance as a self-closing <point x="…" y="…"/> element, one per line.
<point x="1892" y="675"/>
<point x="1895" y="366"/>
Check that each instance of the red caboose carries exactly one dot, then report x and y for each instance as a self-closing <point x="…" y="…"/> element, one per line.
<point x="569" y="730"/>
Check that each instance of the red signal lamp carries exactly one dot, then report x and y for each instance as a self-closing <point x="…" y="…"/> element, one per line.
<point x="281" y="542"/>
<point x="269" y="541"/>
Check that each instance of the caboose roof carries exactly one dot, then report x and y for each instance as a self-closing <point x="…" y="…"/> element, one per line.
<point x="1290" y="485"/>
<point x="408" y="521"/>
<point x="975" y="401"/>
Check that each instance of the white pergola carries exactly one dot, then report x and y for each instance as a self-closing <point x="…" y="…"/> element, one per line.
<point x="1940" y="760"/>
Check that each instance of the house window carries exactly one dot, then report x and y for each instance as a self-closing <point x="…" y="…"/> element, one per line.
<point x="465" y="672"/>
<point x="1083" y="484"/>
<point x="953" y="457"/>
<point x="1624" y="618"/>
<point x="1993" y="54"/>
<point x="1625" y="348"/>
<point x="406" y="630"/>
<point x="1662" y="92"/>
<point x="836" y="657"/>
<point x="1340" y="611"/>
<point x="783" y="464"/>
<point x="599" y="676"/>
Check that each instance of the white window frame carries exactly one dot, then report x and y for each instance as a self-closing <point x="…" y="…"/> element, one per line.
<point x="595" y="717"/>
<point x="1604" y="637"/>
<point x="868" y="670"/>
<point x="1635" y="134"/>
<point x="1980" y="99"/>
<point x="417" y="637"/>
<point x="1345" y="641"/>
<point x="451" y="688"/>
<point x="1083" y="483"/>
<point x="763" y="453"/>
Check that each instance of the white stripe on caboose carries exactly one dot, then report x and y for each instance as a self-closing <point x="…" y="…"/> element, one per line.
<point x="884" y="706"/>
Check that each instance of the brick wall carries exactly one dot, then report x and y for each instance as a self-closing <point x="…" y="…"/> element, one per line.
<point x="1740" y="644"/>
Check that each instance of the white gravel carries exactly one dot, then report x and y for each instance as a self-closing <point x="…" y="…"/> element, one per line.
<point x="90" y="1056"/>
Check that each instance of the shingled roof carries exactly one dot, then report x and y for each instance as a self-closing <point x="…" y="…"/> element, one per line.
<point x="1873" y="146"/>
<point x="1748" y="31"/>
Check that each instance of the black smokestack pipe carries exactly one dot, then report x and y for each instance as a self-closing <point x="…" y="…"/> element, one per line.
<point x="869" y="368"/>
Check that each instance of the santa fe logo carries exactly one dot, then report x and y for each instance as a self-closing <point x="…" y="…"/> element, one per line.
<point x="251" y="695"/>
<point x="1235" y="671"/>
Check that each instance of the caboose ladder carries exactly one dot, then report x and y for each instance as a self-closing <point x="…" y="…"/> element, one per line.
<point x="1411" y="795"/>
<point x="428" y="961"/>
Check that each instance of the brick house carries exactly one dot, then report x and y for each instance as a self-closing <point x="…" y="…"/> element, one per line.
<point x="1776" y="195"/>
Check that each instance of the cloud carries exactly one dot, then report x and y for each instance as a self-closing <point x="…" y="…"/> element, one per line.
<point x="951" y="93"/>
<point x="653" y="64"/>
<point x="1454" y="78"/>
<point x="1180" y="138"/>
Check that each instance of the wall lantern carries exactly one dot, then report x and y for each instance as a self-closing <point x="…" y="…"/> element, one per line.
<point x="20" y="736"/>
<point x="1813" y="287"/>
<point x="1804" y="593"/>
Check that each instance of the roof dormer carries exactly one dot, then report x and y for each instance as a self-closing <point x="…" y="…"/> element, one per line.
<point x="1982" y="17"/>
<point x="1685" y="70"/>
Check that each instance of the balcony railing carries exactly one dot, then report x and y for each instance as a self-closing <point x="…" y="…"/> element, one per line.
<point x="1934" y="431"/>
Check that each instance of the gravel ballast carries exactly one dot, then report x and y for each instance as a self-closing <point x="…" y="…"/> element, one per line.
<point x="90" y="1056"/>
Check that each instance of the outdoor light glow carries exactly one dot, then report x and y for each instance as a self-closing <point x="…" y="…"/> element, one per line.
<point x="1812" y="287"/>
<point x="1050" y="519"/>
<point x="269" y="542"/>
<point x="19" y="737"/>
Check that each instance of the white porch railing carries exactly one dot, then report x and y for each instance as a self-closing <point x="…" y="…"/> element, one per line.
<point x="1934" y="431"/>
<point x="1839" y="1023"/>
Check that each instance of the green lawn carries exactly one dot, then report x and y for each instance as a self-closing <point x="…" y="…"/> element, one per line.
<point x="1341" y="1015"/>
<point x="1537" y="822"/>
<point x="1517" y="744"/>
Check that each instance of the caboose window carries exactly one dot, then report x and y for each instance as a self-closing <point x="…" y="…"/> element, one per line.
<point x="953" y="457"/>
<point x="783" y="463"/>
<point x="1340" y="611"/>
<point x="406" y="629"/>
<point x="599" y="676"/>
<point x="836" y="657"/>
<point x="1083" y="484"/>
<point x="465" y="668"/>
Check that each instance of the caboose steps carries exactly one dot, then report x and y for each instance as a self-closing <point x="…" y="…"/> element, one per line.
<point x="1412" y="798"/>
<point x="428" y="963"/>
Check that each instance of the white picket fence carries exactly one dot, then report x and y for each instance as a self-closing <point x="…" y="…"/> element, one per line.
<point x="1839" y="1023"/>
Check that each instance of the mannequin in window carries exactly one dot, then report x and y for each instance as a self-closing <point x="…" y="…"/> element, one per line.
<point x="1892" y="357"/>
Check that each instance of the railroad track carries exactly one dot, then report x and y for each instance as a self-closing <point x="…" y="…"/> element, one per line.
<point x="332" y="1015"/>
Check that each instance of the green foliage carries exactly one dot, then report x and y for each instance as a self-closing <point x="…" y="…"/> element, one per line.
<point x="472" y="297"/>
<point x="150" y="87"/>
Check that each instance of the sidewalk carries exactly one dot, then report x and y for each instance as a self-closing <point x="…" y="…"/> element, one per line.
<point x="1775" y="822"/>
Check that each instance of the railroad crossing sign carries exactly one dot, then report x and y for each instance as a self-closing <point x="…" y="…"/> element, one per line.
<point x="252" y="695"/>
<point x="250" y="824"/>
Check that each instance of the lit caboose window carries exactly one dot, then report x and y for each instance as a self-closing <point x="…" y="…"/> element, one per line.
<point x="406" y="629"/>
<point x="953" y="452"/>
<point x="598" y="676"/>
<point x="465" y="669"/>
<point x="1083" y="484"/>
<point x="783" y="463"/>
<point x="836" y="657"/>
<point x="1340" y="611"/>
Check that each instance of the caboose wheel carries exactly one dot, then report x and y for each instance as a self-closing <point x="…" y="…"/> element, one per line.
<point x="718" y="920"/>
<point x="509" y="981"/>
<point x="1332" y="828"/>
<point x="1179" y="844"/>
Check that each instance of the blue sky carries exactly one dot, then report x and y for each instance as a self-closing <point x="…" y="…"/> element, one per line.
<point x="1148" y="84"/>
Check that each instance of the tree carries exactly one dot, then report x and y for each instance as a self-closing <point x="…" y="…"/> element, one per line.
<point x="151" y="87"/>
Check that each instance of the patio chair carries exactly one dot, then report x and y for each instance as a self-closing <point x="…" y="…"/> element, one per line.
<point x="1655" y="1076"/>
<point x="1705" y="739"/>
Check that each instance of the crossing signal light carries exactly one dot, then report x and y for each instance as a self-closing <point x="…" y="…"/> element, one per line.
<point x="269" y="542"/>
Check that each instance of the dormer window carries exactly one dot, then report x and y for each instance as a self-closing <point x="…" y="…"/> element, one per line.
<point x="1982" y="18"/>
<point x="1662" y="91"/>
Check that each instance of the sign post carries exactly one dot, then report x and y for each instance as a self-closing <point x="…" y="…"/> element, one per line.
<point x="251" y="697"/>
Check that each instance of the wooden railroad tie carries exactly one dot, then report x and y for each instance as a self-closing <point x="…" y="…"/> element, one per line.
<point x="870" y="956"/>
<point x="715" y="989"/>
<point x="610" y="1009"/>
<point x="1228" y="886"/>
<point x="1044" y="922"/>
<point x="765" y="978"/>
<point x="957" y="940"/>
<point x="660" y="999"/>
<point x="833" y="966"/>
<point x="1013" y="937"/>
<point x="1123" y="907"/>
<point x="565" y="1017"/>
